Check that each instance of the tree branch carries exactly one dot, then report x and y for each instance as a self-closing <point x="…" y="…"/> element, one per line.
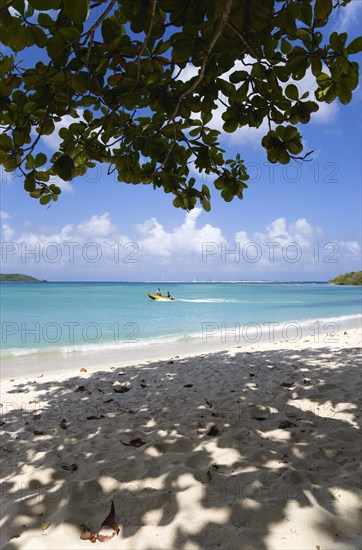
<point x="195" y="83"/>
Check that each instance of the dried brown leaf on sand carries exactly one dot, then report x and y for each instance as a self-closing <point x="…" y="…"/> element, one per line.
<point x="134" y="443"/>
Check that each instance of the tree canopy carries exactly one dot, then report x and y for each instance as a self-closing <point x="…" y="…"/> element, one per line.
<point x="352" y="278"/>
<point x="118" y="69"/>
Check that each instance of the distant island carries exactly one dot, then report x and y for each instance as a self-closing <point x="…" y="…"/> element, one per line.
<point x="19" y="278"/>
<point x="353" y="278"/>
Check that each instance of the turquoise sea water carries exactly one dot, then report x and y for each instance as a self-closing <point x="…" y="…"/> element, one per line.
<point x="78" y="317"/>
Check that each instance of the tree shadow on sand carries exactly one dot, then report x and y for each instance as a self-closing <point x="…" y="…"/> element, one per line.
<point x="206" y="452"/>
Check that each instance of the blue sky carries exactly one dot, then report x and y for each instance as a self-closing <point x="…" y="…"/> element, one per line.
<point x="299" y="207"/>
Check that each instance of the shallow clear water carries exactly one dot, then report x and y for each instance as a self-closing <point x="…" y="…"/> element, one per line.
<point x="68" y="317"/>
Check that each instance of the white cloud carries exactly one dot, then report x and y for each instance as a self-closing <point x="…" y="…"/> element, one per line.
<point x="7" y="232"/>
<point x="296" y="246"/>
<point x="4" y="215"/>
<point x="349" y="17"/>
<point x="281" y="247"/>
<point x="97" y="226"/>
<point x="183" y="240"/>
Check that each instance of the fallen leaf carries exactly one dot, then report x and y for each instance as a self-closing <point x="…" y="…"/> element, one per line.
<point x="70" y="467"/>
<point x="134" y="443"/>
<point x="213" y="431"/>
<point x="83" y="369"/>
<point x="45" y="525"/>
<point x="137" y="442"/>
<point x="88" y="535"/>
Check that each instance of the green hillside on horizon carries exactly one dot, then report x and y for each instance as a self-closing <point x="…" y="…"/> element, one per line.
<point x="19" y="278"/>
<point x="352" y="278"/>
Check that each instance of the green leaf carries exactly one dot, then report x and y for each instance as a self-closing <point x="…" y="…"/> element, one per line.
<point x="291" y="91"/>
<point x="286" y="47"/>
<point x="64" y="167"/>
<point x="110" y="30"/>
<point x="40" y="160"/>
<point x="322" y="9"/>
<point x="30" y="162"/>
<point x="45" y="4"/>
<point x="39" y="37"/>
<point x="69" y="33"/>
<point x="29" y="183"/>
<point x="316" y="66"/>
<point x="344" y="95"/>
<point x="37" y="193"/>
<point x="114" y="79"/>
<point x="334" y="41"/>
<point x="44" y="20"/>
<point x="238" y="76"/>
<point x="77" y="10"/>
<point x="205" y="205"/>
<point x="45" y="199"/>
<point x="355" y="46"/>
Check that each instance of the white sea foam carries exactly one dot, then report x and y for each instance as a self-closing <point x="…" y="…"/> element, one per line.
<point x="263" y="329"/>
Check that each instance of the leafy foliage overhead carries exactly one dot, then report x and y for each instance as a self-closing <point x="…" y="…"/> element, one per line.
<point x="117" y="69"/>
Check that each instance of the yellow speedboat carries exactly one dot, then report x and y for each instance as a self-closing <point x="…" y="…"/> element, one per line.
<point x="161" y="298"/>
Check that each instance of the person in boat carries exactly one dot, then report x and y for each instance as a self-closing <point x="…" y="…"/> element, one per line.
<point x="169" y="296"/>
<point x="158" y="293"/>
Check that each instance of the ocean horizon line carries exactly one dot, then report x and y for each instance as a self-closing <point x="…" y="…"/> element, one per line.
<point x="156" y="281"/>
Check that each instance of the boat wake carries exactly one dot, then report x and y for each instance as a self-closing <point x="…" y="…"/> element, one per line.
<point x="209" y="300"/>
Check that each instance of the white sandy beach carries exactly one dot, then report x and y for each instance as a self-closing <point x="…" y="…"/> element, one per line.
<point x="248" y="448"/>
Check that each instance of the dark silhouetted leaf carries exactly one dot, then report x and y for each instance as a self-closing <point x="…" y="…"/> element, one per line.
<point x="70" y="467"/>
<point x="213" y="431"/>
<point x="285" y="424"/>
